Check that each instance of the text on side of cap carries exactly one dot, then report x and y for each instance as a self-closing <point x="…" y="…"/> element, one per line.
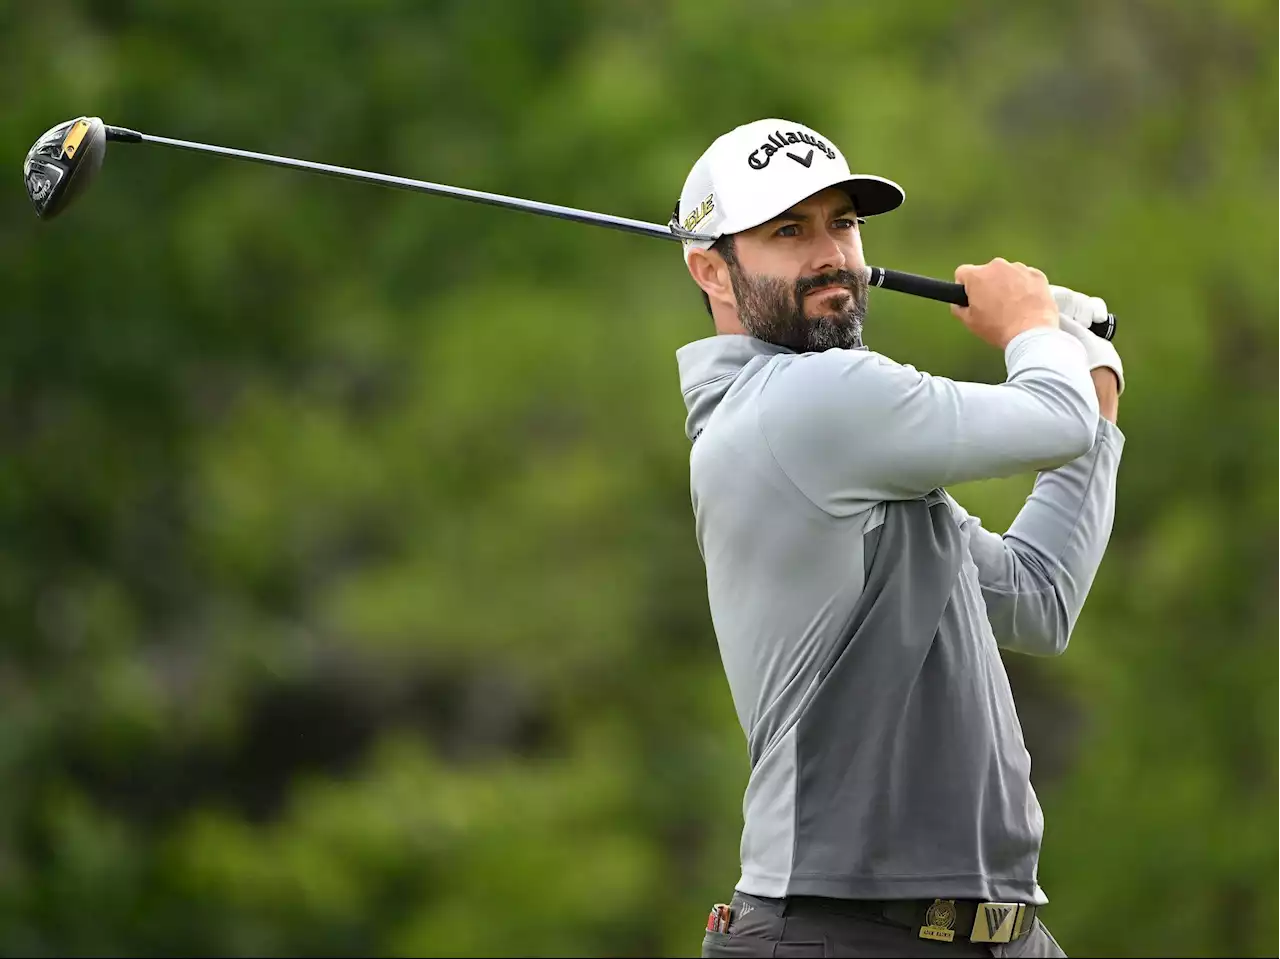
<point x="700" y="212"/>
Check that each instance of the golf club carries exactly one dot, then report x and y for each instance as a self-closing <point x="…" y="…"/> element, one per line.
<point x="62" y="163"/>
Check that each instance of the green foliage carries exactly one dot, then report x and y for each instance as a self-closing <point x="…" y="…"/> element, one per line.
<point x="350" y="597"/>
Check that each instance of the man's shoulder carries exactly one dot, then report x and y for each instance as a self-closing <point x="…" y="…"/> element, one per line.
<point x="821" y="392"/>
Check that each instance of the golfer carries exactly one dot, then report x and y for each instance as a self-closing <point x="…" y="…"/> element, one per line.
<point x="859" y="610"/>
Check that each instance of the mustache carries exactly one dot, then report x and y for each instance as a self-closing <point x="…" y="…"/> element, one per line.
<point x="846" y="278"/>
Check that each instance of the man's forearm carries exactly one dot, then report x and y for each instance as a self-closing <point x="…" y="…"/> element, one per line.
<point x="1107" y="387"/>
<point x="1036" y="577"/>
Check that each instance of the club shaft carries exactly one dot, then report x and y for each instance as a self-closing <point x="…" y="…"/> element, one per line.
<point x="420" y="186"/>
<point x="911" y="283"/>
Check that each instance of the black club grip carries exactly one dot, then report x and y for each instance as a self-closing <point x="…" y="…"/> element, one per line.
<point x="954" y="293"/>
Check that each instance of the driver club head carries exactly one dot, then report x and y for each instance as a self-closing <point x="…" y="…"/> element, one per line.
<point x="63" y="162"/>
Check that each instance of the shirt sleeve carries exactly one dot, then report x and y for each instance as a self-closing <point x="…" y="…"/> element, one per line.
<point x="851" y="428"/>
<point x="1035" y="577"/>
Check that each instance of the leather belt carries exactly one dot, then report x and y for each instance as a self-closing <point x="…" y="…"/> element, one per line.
<point x="941" y="920"/>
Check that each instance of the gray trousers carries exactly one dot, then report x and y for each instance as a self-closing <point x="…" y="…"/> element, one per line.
<point x="817" y="927"/>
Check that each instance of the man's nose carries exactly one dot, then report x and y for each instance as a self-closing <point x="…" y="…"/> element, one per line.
<point x="827" y="254"/>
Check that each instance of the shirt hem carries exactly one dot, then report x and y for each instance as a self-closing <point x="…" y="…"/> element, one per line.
<point x="968" y="886"/>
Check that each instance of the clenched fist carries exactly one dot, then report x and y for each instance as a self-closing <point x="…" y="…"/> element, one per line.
<point x="1005" y="299"/>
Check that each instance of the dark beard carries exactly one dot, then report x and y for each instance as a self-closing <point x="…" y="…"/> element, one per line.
<point x="772" y="310"/>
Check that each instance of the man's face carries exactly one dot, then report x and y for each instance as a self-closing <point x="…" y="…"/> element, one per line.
<point x="799" y="279"/>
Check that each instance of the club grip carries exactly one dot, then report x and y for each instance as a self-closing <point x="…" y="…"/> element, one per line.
<point x="946" y="292"/>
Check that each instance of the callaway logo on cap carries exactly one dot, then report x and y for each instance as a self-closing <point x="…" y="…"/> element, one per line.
<point x="758" y="170"/>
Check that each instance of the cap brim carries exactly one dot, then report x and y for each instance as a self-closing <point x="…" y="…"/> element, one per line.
<point x="872" y="195"/>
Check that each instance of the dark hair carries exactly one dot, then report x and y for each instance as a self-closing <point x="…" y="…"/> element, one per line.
<point x="723" y="246"/>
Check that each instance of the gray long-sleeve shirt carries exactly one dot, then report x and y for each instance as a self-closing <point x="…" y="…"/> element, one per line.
<point x="859" y="609"/>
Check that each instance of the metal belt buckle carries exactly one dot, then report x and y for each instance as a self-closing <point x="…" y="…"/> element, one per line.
<point x="997" y="921"/>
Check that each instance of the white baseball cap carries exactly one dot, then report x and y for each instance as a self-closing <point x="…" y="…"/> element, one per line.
<point x="760" y="169"/>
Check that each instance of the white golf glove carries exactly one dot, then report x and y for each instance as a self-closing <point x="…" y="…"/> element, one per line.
<point x="1076" y="312"/>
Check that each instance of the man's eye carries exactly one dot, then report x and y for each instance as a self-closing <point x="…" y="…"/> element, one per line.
<point x="794" y="230"/>
<point x="844" y="223"/>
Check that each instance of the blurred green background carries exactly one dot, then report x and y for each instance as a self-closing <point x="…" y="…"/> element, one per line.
<point x="349" y="595"/>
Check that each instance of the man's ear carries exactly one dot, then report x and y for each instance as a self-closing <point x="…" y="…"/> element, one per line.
<point x="710" y="271"/>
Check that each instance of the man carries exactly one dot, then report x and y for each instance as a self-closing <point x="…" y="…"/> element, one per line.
<point x="858" y="608"/>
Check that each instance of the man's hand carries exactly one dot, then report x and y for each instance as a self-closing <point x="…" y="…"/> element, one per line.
<point x="1084" y="309"/>
<point x="1005" y="299"/>
<point x="1078" y="312"/>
